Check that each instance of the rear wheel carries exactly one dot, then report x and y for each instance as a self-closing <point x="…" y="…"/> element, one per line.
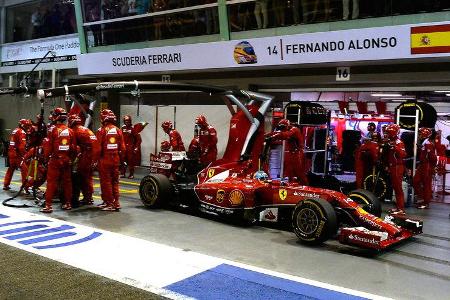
<point x="367" y="200"/>
<point x="155" y="190"/>
<point x="314" y="221"/>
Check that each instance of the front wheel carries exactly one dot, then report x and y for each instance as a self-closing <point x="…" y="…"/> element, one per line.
<point x="155" y="190"/>
<point x="314" y="221"/>
<point x="367" y="200"/>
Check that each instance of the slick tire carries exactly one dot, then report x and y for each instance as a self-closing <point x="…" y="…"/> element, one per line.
<point x="379" y="188"/>
<point x="155" y="190"/>
<point x="367" y="200"/>
<point x="314" y="221"/>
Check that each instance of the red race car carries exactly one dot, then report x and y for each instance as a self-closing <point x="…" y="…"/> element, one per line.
<point x="238" y="187"/>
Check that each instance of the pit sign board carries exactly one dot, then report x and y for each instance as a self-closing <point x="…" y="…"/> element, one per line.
<point x="343" y="74"/>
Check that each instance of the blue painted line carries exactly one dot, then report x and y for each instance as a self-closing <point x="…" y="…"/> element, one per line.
<point x="3" y="216"/>
<point x="226" y="282"/>
<point x="24" y="222"/>
<point x="21" y="229"/>
<point x="38" y="232"/>
<point x="48" y="238"/>
<point x="90" y="237"/>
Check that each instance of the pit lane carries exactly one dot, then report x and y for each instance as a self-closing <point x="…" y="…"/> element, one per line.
<point x="416" y="269"/>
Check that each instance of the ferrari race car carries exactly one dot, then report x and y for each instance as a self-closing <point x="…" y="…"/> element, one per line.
<point x="237" y="187"/>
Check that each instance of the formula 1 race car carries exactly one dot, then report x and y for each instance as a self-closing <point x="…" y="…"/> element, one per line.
<point x="237" y="187"/>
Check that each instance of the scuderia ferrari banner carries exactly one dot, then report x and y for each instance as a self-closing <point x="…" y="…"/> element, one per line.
<point x="369" y="44"/>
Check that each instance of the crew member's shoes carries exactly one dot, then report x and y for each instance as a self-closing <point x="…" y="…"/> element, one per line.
<point x="66" y="206"/>
<point x="396" y="211"/>
<point x="26" y="191"/>
<point x="108" y="208"/>
<point x="87" y="201"/>
<point x="131" y="176"/>
<point x="102" y="205"/>
<point x="46" y="210"/>
<point x="6" y="188"/>
<point x="423" y="206"/>
<point x="122" y="176"/>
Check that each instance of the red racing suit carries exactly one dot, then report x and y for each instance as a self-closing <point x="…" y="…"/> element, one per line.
<point x="207" y="140"/>
<point x="396" y="169"/>
<point x="88" y="149"/>
<point x="294" y="158"/>
<point x="16" y="151"/>
<point x="60" y="148"/>
<point x="33" y="165"/>
<point x="176" y="143"/>
<point x="132" y="142"/>
<point x="112" y="152"/>
<point x="424" y="174"/>
<point x="366" y="158"/>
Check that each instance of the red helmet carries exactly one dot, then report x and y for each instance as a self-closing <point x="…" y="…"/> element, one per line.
<point x="107" y="115"/>
<point x="59" y="114"/>
<point x="127" y="119"/>
<point x="424" y="132"/>
<point x="201" y="120"/>
<point x="284" y="123"/>
<point x="166" y="125"/>
<point x="392" y="131"/>
<point x="74" y="120"/>
<point x="25" y="123"/>
<point x="165" y="146"/>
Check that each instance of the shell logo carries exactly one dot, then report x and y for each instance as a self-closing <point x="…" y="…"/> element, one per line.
<point x="112" y="140"/>
<point x="64" y="142"/>
<point x="236" y="197"/>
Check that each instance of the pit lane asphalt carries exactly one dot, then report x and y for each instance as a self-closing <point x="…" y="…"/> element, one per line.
<point x="416" y="269"/>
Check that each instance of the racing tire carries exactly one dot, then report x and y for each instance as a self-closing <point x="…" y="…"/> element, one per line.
<point x="155" y="190"/>
<point x="379" y="188"/>
<point x="314" y="221"/>
<point x="367" y="200"/>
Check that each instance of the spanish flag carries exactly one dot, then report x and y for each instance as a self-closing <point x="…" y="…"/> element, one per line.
<point x="430" y="39"/>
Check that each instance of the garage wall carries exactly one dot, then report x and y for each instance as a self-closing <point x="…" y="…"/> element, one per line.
<point x="184" y="118"/>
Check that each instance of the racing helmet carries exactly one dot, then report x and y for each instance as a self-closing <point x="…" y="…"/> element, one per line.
<point x="166" y="126"/>
<point x="284" y="123"/>
<point x="165" y="146"/>
<point x="59" y="114"/>
<point x="261" y="175"/>
<point x="201" y="121"/>
<point x="25" y="123"/>
<point x="127" y="120"/>
<point x="392" y="131"/>
<point x="424" y="132"/>
<point x="74" y="120"/>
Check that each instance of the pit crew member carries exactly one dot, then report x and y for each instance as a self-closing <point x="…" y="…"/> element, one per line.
<point x="112" y="154"/>
<point x="176" y="143"/>
<point x="132" y="141"/>
<point x="207" y="141"/>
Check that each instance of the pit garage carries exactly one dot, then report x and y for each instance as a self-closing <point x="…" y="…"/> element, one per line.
<point x="197" y="250"/>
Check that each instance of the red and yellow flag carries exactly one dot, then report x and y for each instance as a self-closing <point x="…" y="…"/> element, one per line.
<point x="430" y="39"/>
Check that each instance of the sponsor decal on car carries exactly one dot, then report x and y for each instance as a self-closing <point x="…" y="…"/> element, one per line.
<point x="309" y="195"/>
<point x="269" y="215"/>
<point x="236" y="197"/>
<point x="282" y="193"/>
<point x="211" y="172"/>
<point x="358" y="238"/>
<point x="220" y="196"/>
<point x="215" y="210"/>
<point x="208" y="197"/>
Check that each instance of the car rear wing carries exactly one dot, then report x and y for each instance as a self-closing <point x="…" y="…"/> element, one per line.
<point x="231" y="97"/>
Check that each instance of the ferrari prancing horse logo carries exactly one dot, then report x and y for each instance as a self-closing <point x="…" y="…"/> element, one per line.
<point x="210" y="173"/>
<point x="282" y="193"/>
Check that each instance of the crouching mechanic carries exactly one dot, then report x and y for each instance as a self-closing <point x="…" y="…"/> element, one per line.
<point x="112" y="151"/>
<point x="132" y="141"/>
<point x="16" y="151"/>
<point x="427" y="163"/>
<point x="207" y="141"/>
<point x="87" y="149"/>
<point x="60" y="149"/>
<point x="294" y="159"/>
<point x="176" y="143"/>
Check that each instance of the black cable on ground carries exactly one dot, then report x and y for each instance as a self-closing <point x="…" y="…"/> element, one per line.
<point x="24" y="205"/>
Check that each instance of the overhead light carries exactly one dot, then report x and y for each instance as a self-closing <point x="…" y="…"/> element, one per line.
<point x="386" y="95"/>
<point x="399" y="98"/>
<point x="448" y="95"/>
<point x="442" y="91"/>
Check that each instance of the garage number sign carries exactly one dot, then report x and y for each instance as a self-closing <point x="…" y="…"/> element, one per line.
<point x="343" y="74"/>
